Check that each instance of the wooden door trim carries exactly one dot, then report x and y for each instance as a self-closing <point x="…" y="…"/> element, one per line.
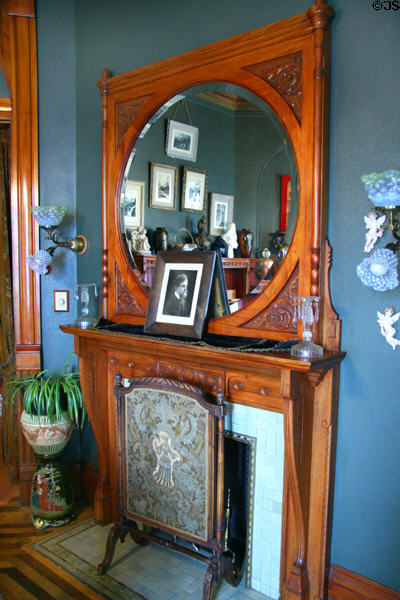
<point x="22" y="57"/>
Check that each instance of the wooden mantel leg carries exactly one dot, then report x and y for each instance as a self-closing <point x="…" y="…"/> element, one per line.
<point x="322" y="477"/>
<point x="295" y="583"/>
<point x="93" y="375"/>
<point x="310" y="415"/>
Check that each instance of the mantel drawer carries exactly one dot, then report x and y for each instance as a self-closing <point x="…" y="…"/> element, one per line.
<point x="132" y="364"/>
<point x="262" y="391"/>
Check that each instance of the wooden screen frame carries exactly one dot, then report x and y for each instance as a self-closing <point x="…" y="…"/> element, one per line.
<point x="254" y="60"/>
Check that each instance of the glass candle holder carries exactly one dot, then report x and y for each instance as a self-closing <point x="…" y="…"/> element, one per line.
<point x="86" y="295"/>
<point x="307" y="308"/>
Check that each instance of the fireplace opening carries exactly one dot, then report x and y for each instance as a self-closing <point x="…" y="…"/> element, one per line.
<point x="239" y="497"/>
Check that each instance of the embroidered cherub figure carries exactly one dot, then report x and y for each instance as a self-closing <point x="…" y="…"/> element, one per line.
<point x="375" y="229"/>
<point x="386" y="321"/>
<point x="166" y="457"/>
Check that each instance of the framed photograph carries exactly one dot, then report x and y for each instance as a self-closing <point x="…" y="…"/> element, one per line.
<point x="181" y="141"/>
<point x="163" y="180"/>
<point x="132" y="204"/>
<point x="194" y="190"/>
<point x="221" y="213"/>
<point x="286" y="196"/>
<point x="180" y="293"/>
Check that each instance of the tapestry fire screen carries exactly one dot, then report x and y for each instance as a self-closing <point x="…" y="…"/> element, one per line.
<point x="168" y="470"/>
<point x="171" y="474"/>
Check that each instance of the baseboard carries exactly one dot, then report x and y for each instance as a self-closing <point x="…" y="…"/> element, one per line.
<point x="346" y="585"/>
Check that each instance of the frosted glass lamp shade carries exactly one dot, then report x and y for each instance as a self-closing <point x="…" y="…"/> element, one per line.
<point x="39" y="262"/>
<point x="48" y="216"/>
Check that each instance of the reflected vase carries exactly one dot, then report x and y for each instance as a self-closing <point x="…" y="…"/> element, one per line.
<point x="160" y="239"/>
<point x="245" y="241"/>
<point x="220" y="246"/>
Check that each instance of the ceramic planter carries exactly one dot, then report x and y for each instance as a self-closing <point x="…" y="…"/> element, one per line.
<point x="51" y="493"/>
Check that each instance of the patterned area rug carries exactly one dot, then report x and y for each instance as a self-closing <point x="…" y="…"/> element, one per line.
<point x="136" y="573"/>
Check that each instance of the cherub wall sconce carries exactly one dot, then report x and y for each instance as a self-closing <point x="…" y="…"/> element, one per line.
<point x="379" y="270"/>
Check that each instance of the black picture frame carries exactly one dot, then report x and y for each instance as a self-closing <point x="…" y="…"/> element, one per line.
<point x="172" y="310"/>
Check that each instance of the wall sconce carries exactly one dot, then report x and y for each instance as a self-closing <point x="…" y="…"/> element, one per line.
<point x="379" y="271"/>
<point x="49" y="218"/>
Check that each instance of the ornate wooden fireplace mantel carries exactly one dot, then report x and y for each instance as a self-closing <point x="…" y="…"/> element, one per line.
<point x="285" y="67"/>
<point x="305" y="392"/>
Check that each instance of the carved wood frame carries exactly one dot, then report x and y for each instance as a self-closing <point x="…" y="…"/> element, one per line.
<point x="287" y="65"/>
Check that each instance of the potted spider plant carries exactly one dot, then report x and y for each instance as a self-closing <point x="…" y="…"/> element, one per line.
<point x="52" y="405"/>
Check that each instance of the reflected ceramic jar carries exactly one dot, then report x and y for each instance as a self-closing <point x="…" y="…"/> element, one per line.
<point x="245" y="240"/>
<point x="160" y="239"/>
<point x="220" y="246"/>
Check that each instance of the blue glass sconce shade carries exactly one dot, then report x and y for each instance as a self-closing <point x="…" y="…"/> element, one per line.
<point x="379" y="270"/>
<point x="383" y="188"/>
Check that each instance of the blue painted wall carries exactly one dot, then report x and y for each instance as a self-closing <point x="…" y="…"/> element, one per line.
<point x="4" y="90"/>
<point x="123" y="35"/>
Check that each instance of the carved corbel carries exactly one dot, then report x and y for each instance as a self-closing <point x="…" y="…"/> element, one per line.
<point x="315" y="377"/>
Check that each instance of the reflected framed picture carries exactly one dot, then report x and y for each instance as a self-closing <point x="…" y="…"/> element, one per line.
<point x="194" y="190"/>
<point x="182" y="141"/>
<point x="286" y="197"/>
<point x="180" y="293"/>
<point x="132" y="204"/>
<point x="163" y="181"/>
<point x="221" y="212"/>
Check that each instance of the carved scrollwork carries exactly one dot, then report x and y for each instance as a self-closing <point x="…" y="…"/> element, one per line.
<point x="125" y="113"/>
<point x="284" y="75"/>
<point x="280" y="314"/>
<point x="126" y="303"/>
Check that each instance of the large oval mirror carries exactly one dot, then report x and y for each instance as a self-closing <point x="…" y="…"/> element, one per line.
<point x="217" y="152"/>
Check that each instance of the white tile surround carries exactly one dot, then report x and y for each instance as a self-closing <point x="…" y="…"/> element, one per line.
<point x="267" y="428"/>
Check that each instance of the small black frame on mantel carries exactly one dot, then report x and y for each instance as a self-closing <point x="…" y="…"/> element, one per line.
<point x="180" y="293"/>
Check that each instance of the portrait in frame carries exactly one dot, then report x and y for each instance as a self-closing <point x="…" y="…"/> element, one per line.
<point x="132" y="204"/>
<point x="194" y="190"/>
<point x="180" y="293"/>
<point x="182" y="141"/>
<point x="221" y="212"/>
<point x="163" y="182"/>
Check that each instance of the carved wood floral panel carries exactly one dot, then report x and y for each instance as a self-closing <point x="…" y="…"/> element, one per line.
<point x="284" y="74"/>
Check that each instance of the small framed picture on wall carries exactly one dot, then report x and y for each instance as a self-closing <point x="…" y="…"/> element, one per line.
<point x="182" y="141"/>
<point x="194" y="190"/>
<point x="221" y="212"/>
<point x="132" y="204"/>
<point x="163" y="181"/>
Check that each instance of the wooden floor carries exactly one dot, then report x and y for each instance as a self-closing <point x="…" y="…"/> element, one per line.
<point x="24" y="575"/>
